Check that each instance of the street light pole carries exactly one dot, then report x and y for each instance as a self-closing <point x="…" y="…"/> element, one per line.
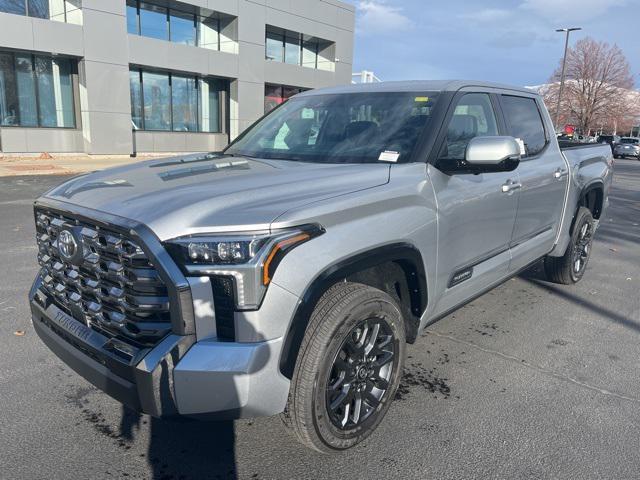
<point x="564" y="66"/>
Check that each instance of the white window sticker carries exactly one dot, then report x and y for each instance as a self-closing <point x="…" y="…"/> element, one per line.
<point x="389" y="156"/>
<point x="523" y="150"/>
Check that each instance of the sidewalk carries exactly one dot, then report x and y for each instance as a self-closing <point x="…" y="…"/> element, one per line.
<point x="63" y="165"/>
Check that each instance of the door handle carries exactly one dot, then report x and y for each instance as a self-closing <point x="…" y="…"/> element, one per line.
<point x="559" y="173"/>
<point x="510" y="186"/>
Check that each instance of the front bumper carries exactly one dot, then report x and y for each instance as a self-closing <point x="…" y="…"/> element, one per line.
<point x="189" y="372"/>
<point x="207" y="379"/>
<point x="141" y="382"/>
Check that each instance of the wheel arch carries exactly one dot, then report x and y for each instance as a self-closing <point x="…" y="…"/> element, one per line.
<point x="591" y="197"/>
<point x="366" y="268"/>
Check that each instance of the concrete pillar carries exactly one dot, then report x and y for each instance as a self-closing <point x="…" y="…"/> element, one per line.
<point x="104" y="79"/>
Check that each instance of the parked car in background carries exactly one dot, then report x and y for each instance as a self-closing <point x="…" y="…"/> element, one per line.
<point x="627" y="147"/>
<point x="286" y="274"/>
<point x="612" y="140"/>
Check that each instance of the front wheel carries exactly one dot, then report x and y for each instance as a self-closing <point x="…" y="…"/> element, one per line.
<point x="570" y="268"/>
<point x="349" y="368"/>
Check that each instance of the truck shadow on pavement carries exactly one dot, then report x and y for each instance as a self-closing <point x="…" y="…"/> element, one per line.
<point x="181" y="448"/>
<point x="536" y="277"/>
<point x="621" y="223"/>
<point x="185" y="449"/>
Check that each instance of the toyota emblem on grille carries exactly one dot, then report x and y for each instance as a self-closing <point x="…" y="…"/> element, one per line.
<point x="67" y="245"/>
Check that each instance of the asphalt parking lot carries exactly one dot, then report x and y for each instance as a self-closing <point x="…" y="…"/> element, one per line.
<point x="532" y="380"/>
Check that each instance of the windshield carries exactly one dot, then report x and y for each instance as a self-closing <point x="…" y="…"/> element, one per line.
<point x="629" y="140"/>
<point x="340" y="128"/>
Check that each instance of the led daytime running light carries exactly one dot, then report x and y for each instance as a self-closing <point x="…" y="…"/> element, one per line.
<point x="281" y="246"/>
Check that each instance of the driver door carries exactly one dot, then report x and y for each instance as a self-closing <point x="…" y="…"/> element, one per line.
<point x="476" y="212"/>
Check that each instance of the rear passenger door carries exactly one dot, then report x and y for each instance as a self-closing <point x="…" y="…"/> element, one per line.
<point x="543" y="175"/>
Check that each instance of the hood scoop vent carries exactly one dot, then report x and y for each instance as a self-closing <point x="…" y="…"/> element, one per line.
<point x="202" y="169"/>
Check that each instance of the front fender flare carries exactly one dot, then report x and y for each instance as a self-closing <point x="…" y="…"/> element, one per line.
<point x="403" y="253"/>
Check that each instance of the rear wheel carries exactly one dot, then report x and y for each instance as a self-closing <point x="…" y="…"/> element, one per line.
<point x="570" y="268"/>
<point x="349" y="368"/>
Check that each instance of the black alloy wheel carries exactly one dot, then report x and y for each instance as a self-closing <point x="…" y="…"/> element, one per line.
<point x="582" y="249"/>
<point x="570" y="267"/>
<point x="360" y="373"/>
<point x="349" y="367"/>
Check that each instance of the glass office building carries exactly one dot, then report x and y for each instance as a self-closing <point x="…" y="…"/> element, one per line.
<point x="137" y="76"/>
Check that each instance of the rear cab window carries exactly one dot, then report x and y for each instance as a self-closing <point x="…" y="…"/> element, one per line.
<point x="524" y="122"/>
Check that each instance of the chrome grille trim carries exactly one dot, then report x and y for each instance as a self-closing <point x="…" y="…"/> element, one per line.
<point x="115" y="289"/>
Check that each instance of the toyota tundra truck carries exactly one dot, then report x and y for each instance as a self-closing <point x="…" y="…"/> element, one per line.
<point x="286" y="274"/>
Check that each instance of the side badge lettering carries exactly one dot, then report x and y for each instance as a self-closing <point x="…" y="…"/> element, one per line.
<point x="460" y="276"/>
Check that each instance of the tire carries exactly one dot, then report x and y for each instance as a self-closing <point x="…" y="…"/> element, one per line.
<point x="570" y="268"/>
<point x="336" y="361"/>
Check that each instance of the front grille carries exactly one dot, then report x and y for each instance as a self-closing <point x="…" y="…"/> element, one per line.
<point x="111" y="285"/>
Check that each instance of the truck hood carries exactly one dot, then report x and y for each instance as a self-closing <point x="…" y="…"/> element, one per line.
<point x="211" y="193"/>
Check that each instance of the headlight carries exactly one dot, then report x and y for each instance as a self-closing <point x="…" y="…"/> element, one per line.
<point x="251" y="259"/>
<point x="220" y="250"/>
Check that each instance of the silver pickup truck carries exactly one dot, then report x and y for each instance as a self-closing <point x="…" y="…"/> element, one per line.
<point x="286" y="274"/>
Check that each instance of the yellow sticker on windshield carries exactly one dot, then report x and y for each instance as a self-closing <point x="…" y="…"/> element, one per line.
<point x="422" y="99"/>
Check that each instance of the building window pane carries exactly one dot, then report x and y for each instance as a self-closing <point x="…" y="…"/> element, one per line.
<point x="275" y="47"/>
<point x="55" y="92"/>
<point x="288" y="92"/>
<point x="183" y="28"/>
<point x="298" y="49"/>
<point x="56" y="10"/>
<point x="66" y="107"/>
<point x="163" y="101"/>
<point x="73" y="11"/>
<point x="272" y="97"/>
<point x="132" y="17"/>
<point x="38" y="8"/>
<point x="156" y="101"/>
<point x="184" y="97"/>
<point x="208" y="33"/>
<point x="17" y="7"/>
<point x="46" y="92"/>
<point x="9" y="105"/>
<point x="153" y="21"/>
<point x="292" y="49"/>
<point x="310" y="53"/>
<point x="210" y="91"/>
<point x="36" y="91"/>
<point x="26" y="91"/>
<point x="136" y="99"/>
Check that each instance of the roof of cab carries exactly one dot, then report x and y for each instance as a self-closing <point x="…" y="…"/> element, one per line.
<point x="415" y="86"/>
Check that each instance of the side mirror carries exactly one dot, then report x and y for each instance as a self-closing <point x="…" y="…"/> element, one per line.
<point x="493" y="154"/>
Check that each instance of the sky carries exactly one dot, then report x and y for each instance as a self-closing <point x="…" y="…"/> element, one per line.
<point x="506" y="41"/>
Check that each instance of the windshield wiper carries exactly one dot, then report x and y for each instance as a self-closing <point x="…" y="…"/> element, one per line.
<point x="238" y="155"/>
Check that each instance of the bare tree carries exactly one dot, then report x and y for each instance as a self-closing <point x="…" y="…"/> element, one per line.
<point x="598" y="79"/>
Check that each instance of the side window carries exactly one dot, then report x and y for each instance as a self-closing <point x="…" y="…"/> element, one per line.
<point x="473" y="117"/>
<point x="525" y="123"/>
